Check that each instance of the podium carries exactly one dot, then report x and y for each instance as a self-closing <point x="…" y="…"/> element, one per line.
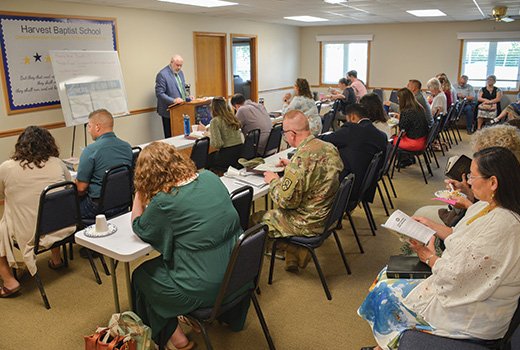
<point x="196" y="109"/>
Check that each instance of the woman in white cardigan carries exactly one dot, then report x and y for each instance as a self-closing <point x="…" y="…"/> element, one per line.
<point x="475" y="285"/>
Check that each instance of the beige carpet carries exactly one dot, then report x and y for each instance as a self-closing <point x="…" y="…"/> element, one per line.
<point x="295" y="307"/>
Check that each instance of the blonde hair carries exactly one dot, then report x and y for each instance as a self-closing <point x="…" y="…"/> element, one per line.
<point x="506" y="136"/>
<point x="159" y="168"/>
<point x="220" y="109"/>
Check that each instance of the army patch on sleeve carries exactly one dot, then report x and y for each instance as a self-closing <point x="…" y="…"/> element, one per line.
<point x="286" y="184"/>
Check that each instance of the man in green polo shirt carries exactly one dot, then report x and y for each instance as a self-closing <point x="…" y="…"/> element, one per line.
<point x="106" y="152"/>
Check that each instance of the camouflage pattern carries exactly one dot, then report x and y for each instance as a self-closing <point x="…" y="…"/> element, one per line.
<point x="304" y="195"/>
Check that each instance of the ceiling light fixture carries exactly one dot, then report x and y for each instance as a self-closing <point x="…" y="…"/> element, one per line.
<point x="480" y="10"/>
<point x="202" y="3"/>
<point x="306" y="19"/>
<point x="427" y="13"/>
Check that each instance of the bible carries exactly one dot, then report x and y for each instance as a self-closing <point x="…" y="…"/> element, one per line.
<point x="456" y="166"/>
<point x="402" y="266"/>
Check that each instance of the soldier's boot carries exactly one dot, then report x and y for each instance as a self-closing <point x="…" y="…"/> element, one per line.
<point x="291" y="258"/>
<point x="303" y="257"/>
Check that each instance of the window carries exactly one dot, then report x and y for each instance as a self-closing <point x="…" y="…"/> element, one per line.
<point x="481" y="58"/>
<point x="340" y="57"/>
<point x="242" y="60"/>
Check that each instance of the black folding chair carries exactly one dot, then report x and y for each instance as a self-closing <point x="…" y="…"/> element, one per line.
<point x="243" y="271"/>
<point x="415" y="340"/>
<point x="136" y="150"/>
<point x="311" y="243"/>
<point x="242" y="199"/>
<point x="199" y="152"/>
<point x="58" y="209"/>
<point x="273" y="141"/>
<point x="250" y="147"/>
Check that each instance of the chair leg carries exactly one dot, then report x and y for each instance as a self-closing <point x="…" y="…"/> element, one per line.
<point x="368" y="214"/>
<point x="342" y="253"/>
<point x="93" y="266"/>
<point x="105" y="267"/>
<point x="427" y="161"/>
<point x="422" y="170"/>
<point x="392" y="185"/>
<point x="65" y="256"/>
<point x="320" y="273"/>
<point x="361" y="250"/>
<point x="436" y="161"/>
<point x="271" y="265"/>
<point x="42" y="290"/>
<point x="382" y="198"/>
<point x="205" y="335"/>
<point x="387" y="193"/>
<point x="262" y="322"/>
<point x="71" y="251"/>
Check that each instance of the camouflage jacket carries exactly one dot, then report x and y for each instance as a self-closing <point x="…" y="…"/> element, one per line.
<point x="305" y="193"/>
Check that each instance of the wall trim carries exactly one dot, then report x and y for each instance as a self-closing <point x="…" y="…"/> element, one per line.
<point x="275" y="89"/>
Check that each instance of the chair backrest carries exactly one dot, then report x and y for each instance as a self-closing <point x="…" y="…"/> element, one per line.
<point x="244" y="266"/>
<point x="58" y="209"/>
<point x="318" y="106"/>
<point x="460" y="108"/>
<point x="136" y="150"/>
<point x="432" y="134"/>
<point x="273" y="142"/>
<point x="328" y="119"/>
<point x="379" y="92"/>
<point x="339" y="204"/>
<point x="391" y="153"/>
<point x="199" y="152"/>
<point x="242" y="199"/>
<point x="370" y="175"/>
<point x="116" y="190"/>
<point x="393" y="96"/>
<point x="446" y="119"/>
<point x="250" y="147"/>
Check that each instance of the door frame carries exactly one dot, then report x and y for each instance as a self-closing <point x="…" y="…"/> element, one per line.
<point x="223" y="54"/>
<point x="254" y="63"/>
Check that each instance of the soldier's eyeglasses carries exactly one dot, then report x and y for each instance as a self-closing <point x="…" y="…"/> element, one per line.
<point x="286" y="131"/>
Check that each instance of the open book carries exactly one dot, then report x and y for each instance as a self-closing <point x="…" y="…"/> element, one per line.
<point x="405" y="225"/>
<point x="246" y="178"/>
<point x="456" y="166"/>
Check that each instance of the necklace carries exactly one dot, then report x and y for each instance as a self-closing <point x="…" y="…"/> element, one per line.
<point x="481" y="213"/>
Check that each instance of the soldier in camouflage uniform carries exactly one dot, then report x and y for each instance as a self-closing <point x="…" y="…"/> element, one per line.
<point x="304" y="194"/>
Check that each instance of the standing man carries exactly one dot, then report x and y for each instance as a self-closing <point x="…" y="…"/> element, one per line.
<point x="252" y="116"/>
<point x="106" y="152"/>
<point x="170" y="88"/>
<point x="303" y="196"/>
<point x="359" y="87"/>
<point x="466" y="91"/>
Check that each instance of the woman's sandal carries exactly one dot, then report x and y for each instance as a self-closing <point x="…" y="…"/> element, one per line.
<point x="6" y="292"/>
<point x="170" y="346"/>
<point x="55" y="266"/>
<point x="187" y="322"/>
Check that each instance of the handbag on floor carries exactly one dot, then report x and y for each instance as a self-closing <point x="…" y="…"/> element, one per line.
<point x="103" y="340"/>
<point x="128" y="324"/>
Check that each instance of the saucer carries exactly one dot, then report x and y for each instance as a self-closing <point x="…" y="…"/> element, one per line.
<point x="90" y="231"/>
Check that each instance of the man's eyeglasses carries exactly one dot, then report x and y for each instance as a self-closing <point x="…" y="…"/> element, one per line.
<point x="286" y="131"/>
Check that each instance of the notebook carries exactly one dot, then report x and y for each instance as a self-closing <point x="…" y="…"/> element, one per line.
<point x="402" y="266"/>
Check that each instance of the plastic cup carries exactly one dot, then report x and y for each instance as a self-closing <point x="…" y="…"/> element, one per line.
<point x="195" y="127"/>
<point x="101" y="223"/>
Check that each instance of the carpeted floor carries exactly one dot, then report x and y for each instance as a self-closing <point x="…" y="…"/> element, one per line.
<point x="295" y="307"/>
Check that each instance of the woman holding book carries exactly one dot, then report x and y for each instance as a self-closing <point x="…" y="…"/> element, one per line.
<point x="189" y="219"/>
<point x="474" y="287"/>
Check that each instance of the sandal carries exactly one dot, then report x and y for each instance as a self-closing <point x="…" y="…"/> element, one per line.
<point x="187" y="322"/>
<point x="6" y="292"/>
<point x="54" y="266"/>
<point x="170" y="346"/>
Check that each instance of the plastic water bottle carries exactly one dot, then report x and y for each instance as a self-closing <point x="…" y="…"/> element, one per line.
<point x="187" y="126"/>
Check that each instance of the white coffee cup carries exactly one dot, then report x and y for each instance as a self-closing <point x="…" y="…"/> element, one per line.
<point x="195" y="127"/>
<point x="101" y="223"/>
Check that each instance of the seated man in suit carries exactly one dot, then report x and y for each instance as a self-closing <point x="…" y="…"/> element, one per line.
<point x="252" y="116"/>
<point x="358" y="140"/>
<point x="170" y="88"/>
<point x="106" y="152"/>
<point x="303" y="196"/>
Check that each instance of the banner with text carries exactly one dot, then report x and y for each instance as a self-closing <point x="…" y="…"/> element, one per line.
<point x="26" y="64"/>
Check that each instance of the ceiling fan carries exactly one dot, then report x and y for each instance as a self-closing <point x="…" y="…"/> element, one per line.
<point x="499" y="14"/>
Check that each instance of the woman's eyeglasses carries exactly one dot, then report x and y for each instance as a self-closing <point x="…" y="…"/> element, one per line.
<point x="470" y="177"/>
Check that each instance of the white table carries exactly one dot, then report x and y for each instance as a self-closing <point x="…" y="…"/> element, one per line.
<point x="180" y="142"/>
<point x="124" y="245"/>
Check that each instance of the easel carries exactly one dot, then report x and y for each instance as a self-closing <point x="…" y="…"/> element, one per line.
<point x="74" y="137"/>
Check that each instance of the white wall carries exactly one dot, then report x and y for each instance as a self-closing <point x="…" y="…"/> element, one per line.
<point x="147" y="40"/>
<point x="401" y="51"/>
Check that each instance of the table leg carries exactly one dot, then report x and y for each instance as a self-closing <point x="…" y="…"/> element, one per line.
<point x="129" y="286"/>
<point x="114" y="284"/>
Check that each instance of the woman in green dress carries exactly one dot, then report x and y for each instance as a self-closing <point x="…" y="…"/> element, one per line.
<point x="188" y="217"/>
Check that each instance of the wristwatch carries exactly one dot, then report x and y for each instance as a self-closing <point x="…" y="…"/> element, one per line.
<point x="427" y="261"/>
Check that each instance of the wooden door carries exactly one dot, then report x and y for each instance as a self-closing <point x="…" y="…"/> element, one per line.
<point x="210" y="64"/>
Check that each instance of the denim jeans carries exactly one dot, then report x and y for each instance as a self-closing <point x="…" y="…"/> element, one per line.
<point x="470" y="115"/>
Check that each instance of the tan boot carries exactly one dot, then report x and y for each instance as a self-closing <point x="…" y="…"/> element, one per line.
<point x="304" y="256"/>
<point x="291" y="258"/>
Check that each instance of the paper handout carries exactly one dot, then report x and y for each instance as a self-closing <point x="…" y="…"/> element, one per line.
<point x="403" y="224"/>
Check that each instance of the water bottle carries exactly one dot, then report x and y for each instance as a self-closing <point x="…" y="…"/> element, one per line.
<point x="187" y="126"/>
